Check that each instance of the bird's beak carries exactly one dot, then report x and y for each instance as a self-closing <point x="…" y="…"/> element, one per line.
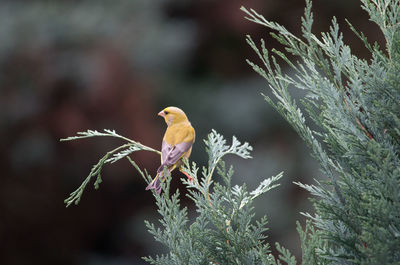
<point x="161" y="113"/>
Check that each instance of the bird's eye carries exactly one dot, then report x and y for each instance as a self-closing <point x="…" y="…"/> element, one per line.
<point x="166" y="112"/>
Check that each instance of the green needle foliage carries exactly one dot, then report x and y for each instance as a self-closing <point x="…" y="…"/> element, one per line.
<point x="223" y="232"/>
<point x="110" y="157"/>
<point x="355" y="104"/>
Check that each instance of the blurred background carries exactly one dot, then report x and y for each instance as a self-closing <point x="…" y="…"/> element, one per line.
<point x="68" y="66"/>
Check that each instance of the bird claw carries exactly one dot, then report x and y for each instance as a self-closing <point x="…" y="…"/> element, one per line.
<point x="190" y="178"/>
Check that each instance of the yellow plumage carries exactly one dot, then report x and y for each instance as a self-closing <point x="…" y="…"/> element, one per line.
<point x="177" y="143"/>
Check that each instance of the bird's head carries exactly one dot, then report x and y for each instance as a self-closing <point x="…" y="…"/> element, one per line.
<point x="173" y="115"/>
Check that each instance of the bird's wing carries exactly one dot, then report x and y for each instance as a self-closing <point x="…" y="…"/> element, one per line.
<point x="173" y="154"/>
<point x="165" y="150"/>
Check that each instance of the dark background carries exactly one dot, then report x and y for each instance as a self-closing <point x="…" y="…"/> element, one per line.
<point x="68" y="66"/>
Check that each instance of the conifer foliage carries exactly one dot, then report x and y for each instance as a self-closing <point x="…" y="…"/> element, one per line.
<point x="355" y="104"/>
<point x="224" y="231"/>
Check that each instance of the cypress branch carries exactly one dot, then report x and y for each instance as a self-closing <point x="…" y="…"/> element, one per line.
<point x="355" y="105"/>
<point x="224" y="231"/>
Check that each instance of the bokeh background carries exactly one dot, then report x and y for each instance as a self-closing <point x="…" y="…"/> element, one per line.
<point x="68" y="66"/>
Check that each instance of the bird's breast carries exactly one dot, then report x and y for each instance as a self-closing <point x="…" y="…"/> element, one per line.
<point x="178" y="133"/>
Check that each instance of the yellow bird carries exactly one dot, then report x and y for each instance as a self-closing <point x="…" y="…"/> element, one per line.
<point x="177" y="143"/>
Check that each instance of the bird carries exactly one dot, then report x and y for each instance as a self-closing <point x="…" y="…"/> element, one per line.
<point x="176" y="144"/>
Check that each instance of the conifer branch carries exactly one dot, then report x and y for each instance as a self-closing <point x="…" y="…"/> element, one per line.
<point x="109" y="133"/>
<point x="110" y="157"/>
<point x="222" y="233"/>
<point x="355" y="106"/>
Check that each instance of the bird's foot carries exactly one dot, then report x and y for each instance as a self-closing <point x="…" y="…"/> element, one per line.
<point x="190" y="178"/>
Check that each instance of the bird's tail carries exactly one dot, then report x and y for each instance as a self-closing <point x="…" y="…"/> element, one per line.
<point x="155" y="185"/>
